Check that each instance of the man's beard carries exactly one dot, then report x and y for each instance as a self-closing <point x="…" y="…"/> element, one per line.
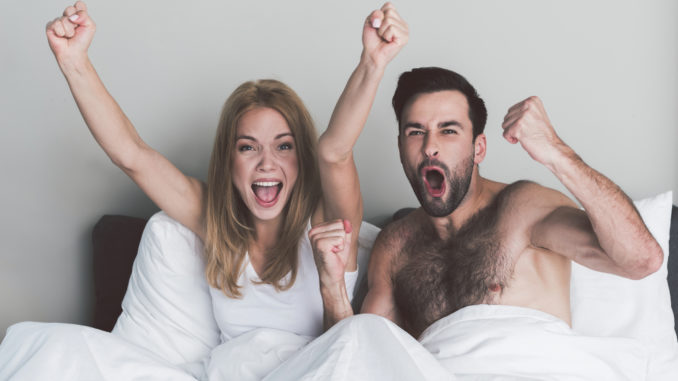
<point x="457" y="187"/>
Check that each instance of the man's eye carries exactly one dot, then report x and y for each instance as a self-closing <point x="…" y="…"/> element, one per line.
<point x="285" y="146"/>
<point x="448" y="131"/>
<point x="245" y="147"/>
<point x="415" y="133"/>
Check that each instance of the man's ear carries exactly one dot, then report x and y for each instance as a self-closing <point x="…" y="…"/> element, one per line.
<point x="400" y="148"/>
<point x="479" y="146"/>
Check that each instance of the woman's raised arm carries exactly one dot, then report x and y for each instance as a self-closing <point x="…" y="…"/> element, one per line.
<point x="384" y="34"/>
<point x="180" y="196"/>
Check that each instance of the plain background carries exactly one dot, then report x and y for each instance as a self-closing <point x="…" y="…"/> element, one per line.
<point x="606" y="70"/>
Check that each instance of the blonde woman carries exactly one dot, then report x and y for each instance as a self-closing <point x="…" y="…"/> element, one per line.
<point x="266" y="182"/>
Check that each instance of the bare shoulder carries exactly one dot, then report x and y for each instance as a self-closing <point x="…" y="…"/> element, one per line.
<point x="396" y="233"/>
<point x="528" y="195"/>
<point x="390" y="242"/>
<point x="525" y="202"/>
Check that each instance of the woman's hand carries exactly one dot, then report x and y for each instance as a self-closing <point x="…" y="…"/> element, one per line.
<point x="331" y="242"/>
<point x="69" y="36"/>
<point x="384" y="34"/>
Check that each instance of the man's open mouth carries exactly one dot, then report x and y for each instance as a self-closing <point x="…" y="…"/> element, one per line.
<point x="267" y="192"/>
<point x="434" y="180"/>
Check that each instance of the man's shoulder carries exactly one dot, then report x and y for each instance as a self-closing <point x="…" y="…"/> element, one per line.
<point x="530" y="193"/>
<point x="528" y="200"/>
<point x="397" y="232"/>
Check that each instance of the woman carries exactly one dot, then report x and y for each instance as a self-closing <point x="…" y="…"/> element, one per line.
<point x="264" y="182"/>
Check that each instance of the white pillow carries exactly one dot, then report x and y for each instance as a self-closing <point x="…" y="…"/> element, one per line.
<point x="609" y="305"/>
<point x="167" y="307"/>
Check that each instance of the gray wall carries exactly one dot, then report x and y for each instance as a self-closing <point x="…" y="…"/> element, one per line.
<point x="606" y="71"/>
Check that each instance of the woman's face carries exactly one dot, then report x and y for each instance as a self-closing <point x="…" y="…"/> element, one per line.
<point x="264" y="162"/>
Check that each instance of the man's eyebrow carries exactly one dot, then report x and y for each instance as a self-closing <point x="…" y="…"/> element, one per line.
<point x="450" y="123"/>
<point x="413" y="125"/>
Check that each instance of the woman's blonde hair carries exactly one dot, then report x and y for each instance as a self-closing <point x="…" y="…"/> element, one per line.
<point x="228" y="221"/>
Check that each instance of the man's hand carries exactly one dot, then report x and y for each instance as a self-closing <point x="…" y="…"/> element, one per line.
<point x="71" y="34"/>
<point x="384" y="34"/>
<point x="331" y="242"/>
<point x="527" y="123"/>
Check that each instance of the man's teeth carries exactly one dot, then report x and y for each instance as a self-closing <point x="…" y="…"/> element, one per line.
<point x="266" y="183"/>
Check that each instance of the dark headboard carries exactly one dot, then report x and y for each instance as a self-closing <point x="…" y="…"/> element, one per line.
<point x="673" y="265"/>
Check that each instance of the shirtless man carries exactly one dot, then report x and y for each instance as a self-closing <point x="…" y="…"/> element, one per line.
<point x="477" y="241"/>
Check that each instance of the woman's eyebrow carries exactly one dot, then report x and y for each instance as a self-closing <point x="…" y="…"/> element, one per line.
<point x="245" y="137"/>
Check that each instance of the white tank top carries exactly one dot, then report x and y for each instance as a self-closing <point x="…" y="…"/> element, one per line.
<point x="298" y="310"/>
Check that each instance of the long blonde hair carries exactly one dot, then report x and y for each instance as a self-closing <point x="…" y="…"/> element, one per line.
<point x="228" y="221"/>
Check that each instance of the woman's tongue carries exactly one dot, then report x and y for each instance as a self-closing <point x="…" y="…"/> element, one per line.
<point x="266" y="193"/>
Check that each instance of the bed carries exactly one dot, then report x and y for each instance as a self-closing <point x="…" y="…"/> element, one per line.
<point x="138" y="263"/>
<point x="115" y="240"/>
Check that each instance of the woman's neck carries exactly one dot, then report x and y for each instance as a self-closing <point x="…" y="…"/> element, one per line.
<point x="266" y="236"/>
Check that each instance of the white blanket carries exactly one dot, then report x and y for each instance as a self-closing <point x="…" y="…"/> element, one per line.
<point x="56" y="351"/>
<point x="476" y="343"/>
<point x="485" y="342"/>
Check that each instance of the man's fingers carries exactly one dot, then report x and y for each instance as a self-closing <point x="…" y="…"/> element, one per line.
<point x="510" y="135"/>
<point x="510" y="119"/>
<point x="516" y="107"/>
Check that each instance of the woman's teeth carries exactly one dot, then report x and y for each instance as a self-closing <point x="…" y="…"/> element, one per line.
<point x="266" y="183"/>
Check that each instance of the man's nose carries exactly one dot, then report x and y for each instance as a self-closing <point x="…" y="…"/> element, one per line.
<point x="431" y="146"/>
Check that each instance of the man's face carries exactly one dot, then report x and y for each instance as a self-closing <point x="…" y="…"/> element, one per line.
<point x="437" y="149"/>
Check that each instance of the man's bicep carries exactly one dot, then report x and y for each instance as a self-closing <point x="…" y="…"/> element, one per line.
<point x="568" y="231"/>
<point x="380" y="302"/>
<point x="379" y="299"/>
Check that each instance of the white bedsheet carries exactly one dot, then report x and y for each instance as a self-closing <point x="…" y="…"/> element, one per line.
<point x="485" y="341"/>
<point x="476" y="343"/>
<point x="57" y="351"/>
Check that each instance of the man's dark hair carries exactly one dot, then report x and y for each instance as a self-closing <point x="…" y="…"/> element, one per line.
<point x="432" y="79"/>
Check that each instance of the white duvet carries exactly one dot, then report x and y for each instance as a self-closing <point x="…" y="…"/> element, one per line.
<point x="167" y="332"/>
<point x="476" y="343"/>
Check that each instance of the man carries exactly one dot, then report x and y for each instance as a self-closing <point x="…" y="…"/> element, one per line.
<point x="489" y="242"/>
<point x="476" y="241"/>
<point x="480" y="273"/>
<point x="521" y="237"/>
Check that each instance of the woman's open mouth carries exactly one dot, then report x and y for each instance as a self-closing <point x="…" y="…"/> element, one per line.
<point x="266" y="192"/>
<point x="434" y="180"/>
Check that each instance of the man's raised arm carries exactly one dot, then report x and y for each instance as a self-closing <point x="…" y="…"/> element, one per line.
<point x="620" y="242"/>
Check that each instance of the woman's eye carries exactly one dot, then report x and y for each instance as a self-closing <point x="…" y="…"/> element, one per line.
<point x="285" y="146"/>
<point x="245" y="147"/>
